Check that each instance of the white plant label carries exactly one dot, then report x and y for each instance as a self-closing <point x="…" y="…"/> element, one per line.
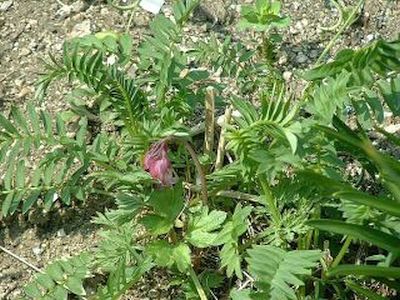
<point x="152" y="6"/>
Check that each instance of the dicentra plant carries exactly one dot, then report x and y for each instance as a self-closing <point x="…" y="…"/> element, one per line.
<point x="261" y="215"/>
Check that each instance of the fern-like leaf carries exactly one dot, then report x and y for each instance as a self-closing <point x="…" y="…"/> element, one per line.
<point x="61" y="278"/>
<point x="380" y="58"/>
<point x="278" y="272"/>
<point x="62" y="159"/>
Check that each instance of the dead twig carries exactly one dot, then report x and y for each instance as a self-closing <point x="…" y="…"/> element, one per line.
<point x="221" y="144"/>
<point x="210" y="121"/>
<point x="20" y="259"/>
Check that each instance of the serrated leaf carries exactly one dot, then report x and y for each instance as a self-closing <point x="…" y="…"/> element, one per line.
<point x="60" y="293"/>
<point x="166" y="255"/>
<point x="75" y="285"/>
<point x="201" y="228"/>
<point x="167" y="204"/>
<point x="45" y="281"/>
<point x="278" y="272"/>
<point x="55" y="271"/>
<point x="33" y="291"/>
<point x="181" y="256"/>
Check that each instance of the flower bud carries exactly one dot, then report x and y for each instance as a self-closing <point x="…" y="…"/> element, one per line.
<point x="157" y="163"/>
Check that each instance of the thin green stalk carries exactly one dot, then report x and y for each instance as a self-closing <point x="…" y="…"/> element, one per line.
<point x="342" y="252"/>
<point x="120" y="7"/>
<point x="331" y="43"/>
<point x="340" y="31"/>
<point x="128" y="24"/>
<point x="270" y="200"/>
<point x="197" y="284"/>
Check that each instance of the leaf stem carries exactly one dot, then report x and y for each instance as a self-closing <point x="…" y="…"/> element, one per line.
<point x="270" y="200"/>
<point x="197" y="164"/>
<point x="340" y="31"/>
<point x="342" y="252"/>
<point x="200" y="170"/>
<point x="197" y="284"/>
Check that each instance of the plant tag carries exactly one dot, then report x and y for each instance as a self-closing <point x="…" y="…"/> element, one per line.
<point x="152" y="6"/>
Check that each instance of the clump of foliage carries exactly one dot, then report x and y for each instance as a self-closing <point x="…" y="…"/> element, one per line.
<point x="271" y="215"/>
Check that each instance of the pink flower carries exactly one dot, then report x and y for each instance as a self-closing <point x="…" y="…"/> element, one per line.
<point x="157" y="163"/>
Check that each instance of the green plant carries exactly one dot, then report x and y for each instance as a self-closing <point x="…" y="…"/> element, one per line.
<point x="263" y="224"/>
<point x="264" y="17"/>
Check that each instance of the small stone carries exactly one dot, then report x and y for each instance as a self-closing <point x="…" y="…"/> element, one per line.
<point x="37" y="250"/>
<point x="393" y="128"/>
<point x="24" y="92"/>
<point x="369" y="37"/>
<point x="104" y="11"/>
<point x="64" y="12"/>
<point x="282" y="60"/>
<point x="80" y="29"/>
<point x="24" y="52"/>
<point x="61" y="233"/>
<point x="19" y="82"/>
<point x="287" y="75"/>
<point x="314" y="53"/>
<point x="301" y="58"/>
<point x="304" y="23"/>
<point x="5" y="5"/>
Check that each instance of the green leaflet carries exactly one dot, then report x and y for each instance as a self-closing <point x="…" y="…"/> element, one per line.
<point x="202" y="227"/>
<point x="373" y="236"/>
<point x="166" y="255"/>
<point x="380" y="57"/>
<point x="229" y="238"/>
<point x="389" y="206"/>
<point x="364" y="291"/>
<point x="60" y="278"/>
<point x="277" y="271"/>
<point x="370" y="271"/>
<point x="166" y="205"/>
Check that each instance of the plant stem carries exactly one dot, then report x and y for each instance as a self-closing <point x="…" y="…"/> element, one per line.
<point x="342" y="252"/>
<point x="270" y="200"/>
<point x="197" y="284"/>
<point x="226" y="193"/>
<point x="21" y="260"/>
<point x="340" y="31"/>
<point x="128" y="7"/>
<point x="200" y="170"/>
<point x="332" y="43"/>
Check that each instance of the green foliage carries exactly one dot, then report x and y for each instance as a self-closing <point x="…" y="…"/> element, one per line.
<point x="61" y="278"/>
<point x="277" y="272"/>
<point x="166" y="206"/>
<point x="167" y="255"/>
<point x="202" y="226"/>
<point x="380" y="58"/>
<point x="25" y="181"/>
<point x="264" y="16"/>
<point x="229" y="238"/>
<point x="288" y="155"/>
<point x="265" y="140"/>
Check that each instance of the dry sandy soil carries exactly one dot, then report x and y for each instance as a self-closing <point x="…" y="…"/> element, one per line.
<point x="30" y="29"/>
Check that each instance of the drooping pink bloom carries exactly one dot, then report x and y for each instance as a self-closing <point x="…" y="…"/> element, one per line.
<point x="157" y="163"/>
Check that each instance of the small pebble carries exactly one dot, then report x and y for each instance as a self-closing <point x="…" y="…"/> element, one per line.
<point x="287" y="75"/>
